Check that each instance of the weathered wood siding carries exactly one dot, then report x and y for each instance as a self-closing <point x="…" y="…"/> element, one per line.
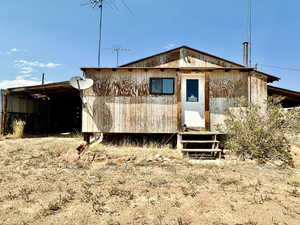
<point x="120" y="102"/>
<point x="225" y="90"/>
<point x="190" y="58"/>
<point x="258" y="89"/>
<point x="183" y="57"/>
<point x="170" y="59"/>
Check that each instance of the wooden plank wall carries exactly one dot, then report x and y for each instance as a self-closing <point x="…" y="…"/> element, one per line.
<point x="258" y="90"/>
<point x="170" y="59"/>
<point x="120" y="102"/>
<point x="225" y="90"/>
<point x="191" y="58"/>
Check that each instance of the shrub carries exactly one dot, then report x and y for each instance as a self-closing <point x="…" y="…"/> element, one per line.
<point x="262" y="133"/>
<point x="18" y="128"/>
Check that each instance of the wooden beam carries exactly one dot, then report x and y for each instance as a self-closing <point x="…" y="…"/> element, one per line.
<point x="207" y="110"/>
<point x="4" y="112"/>
<point x="179" y="106"/>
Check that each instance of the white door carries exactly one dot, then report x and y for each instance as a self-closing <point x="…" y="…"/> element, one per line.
<point x="192" y="98"/>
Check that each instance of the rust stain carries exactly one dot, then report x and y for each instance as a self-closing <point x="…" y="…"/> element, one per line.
<point x="126" y="88"/>
<point x="226" y="88"/>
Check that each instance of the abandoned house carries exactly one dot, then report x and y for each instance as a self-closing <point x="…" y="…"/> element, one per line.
<point x="179" y="90"/>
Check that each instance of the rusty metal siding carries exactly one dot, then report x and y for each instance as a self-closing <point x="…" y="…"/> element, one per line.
<point x="120" y="102"/>
<point x="225" y="90"/>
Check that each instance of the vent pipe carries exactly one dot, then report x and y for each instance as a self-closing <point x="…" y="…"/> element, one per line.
<point x="246" y="54"/>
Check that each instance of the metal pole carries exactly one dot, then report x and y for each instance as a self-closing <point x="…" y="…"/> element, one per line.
<point x="43" y="79"/>
<point x="117" y="57"/>
<point x="250" y="33"/>
<point x="100" y="33"/>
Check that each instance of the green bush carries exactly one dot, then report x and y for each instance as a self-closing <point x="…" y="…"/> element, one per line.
<point x="262" y="133"/>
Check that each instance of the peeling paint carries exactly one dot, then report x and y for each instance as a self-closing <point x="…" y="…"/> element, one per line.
<point x="227" y="88"/>
<point x="127" y="88"/>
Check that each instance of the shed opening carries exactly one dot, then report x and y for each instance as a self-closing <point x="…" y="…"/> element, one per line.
<point x="48" y="109"/>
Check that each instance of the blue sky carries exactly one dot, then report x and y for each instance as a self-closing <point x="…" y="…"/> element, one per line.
<point x="58" y="37"/>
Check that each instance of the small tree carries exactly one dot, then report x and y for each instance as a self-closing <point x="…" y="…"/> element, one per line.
<point x="263" y="134"/>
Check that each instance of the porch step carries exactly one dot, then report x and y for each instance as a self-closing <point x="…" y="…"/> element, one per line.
<point x="201" y="150"/>
<point x="200" y="142"/>
<point x="200" y="133"/>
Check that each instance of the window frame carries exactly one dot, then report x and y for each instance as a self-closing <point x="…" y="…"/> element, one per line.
<point x="162" y="85"/>
<point x="186" y="90"/>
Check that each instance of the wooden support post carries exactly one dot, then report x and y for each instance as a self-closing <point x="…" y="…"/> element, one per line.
<point x="207" y="110"/>
<point x="4" y="113"/>
<point x="178" y="95"/>
<point x="179" y="143"/>
<point x="87" y="138"/>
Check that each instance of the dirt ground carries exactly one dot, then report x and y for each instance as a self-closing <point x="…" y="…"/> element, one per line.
<point x="41" y="184"/>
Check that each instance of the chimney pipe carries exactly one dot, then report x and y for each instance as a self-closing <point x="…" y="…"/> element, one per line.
<point x="246" y="54"/>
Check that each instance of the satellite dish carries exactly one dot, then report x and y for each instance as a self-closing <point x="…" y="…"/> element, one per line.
<point x="81" y="83"/>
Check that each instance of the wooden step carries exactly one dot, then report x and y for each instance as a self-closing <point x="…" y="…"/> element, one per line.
<point x="196" y="141"/>
<point x="201" y="150"/>
<point x="200" y="133"/>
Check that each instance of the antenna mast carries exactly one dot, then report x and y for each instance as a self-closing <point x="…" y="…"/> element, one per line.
<point x="99" y="4"/>
<point x="118" y="50"/>
<point x="250" y="31"/>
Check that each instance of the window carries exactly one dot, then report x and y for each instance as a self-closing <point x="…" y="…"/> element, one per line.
<point x="163" y="86"/>
<point x="192" y="90"/>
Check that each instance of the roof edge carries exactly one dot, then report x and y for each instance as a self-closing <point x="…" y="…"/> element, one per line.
<point x="178" y="48"/>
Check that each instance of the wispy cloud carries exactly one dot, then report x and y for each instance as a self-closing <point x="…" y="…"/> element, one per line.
<point x="26" y="70"/>
<point x="11" y="51"/>
<point x="18" y="83"/>
<point x="24" y="63"/>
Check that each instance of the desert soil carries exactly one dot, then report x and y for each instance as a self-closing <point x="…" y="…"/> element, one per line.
<point x="43" y="182"/>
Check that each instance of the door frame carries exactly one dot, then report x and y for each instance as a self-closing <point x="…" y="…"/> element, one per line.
<point x="180" y="76"/>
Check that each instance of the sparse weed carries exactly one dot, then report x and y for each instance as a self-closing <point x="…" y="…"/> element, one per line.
<point x="181" y="221"/>
<point x="121" y="193"/>
<point x="294" y="192"/>
<point x="156" y="182"/>
<point x="11" y="196"/>
<point x="55" y="205"/>
<point x="25" y="192"/>
<point x="86" y="193"/>
<point x="260" y="198"/>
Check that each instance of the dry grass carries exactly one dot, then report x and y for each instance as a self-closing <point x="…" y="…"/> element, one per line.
<point x="18" y="128"/>
<point x="138" y="186"/>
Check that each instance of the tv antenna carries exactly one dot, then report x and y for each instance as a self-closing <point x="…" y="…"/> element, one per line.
<point x="99" y="4"/>
<point x="117" y="50"/>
